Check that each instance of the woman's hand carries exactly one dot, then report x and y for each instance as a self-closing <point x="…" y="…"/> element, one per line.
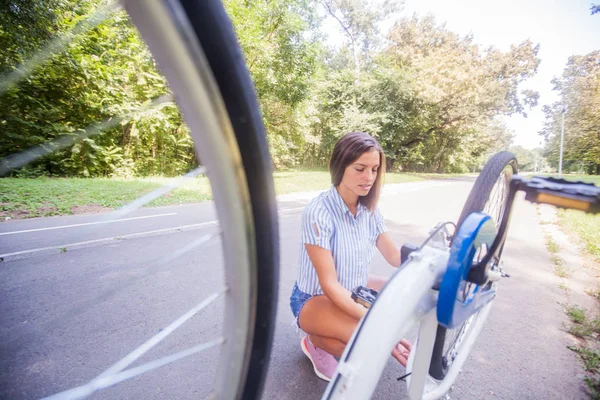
<point x="401" y="351"/>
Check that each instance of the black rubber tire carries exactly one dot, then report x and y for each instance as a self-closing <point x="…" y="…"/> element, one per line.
<point x="478" y="197"/>
<point x="480" y="193"/>
<point x="216" y="36"/>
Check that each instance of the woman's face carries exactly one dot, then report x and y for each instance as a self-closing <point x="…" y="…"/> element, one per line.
<point x="359" y="176"/>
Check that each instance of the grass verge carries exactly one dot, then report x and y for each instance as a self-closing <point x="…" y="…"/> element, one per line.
<point x="27" y="198"/>
<point x="587" y="329"/>
<point x="583" y="228"/>
<point x="551" y="245"/>
<point x="586" y="227"/>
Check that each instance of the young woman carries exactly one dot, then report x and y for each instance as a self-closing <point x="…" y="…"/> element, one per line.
<point x="340" y="230"/>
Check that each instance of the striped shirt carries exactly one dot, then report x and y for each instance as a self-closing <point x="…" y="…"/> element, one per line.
<point x="327" y="222"/>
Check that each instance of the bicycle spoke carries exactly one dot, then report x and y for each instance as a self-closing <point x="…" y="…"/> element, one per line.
<point x="114" y="374"/>
<point x="496" y="201"/>
<point x="156" y="193"/>
<point x="25" y="157"/>
<point x="57" y="45"/>
<point x="159" y="337"/>
<point x="87" y="305"/>
<point x="110" y="380"/>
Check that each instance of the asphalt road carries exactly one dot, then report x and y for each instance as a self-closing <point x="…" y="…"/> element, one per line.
<point x="80" y="292"/>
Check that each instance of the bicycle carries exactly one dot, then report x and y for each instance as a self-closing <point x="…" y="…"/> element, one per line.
<point x="447" y="286"/>
<point x="194" y="45"/>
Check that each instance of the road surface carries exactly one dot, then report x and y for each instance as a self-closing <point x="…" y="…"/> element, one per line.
<point x="80" y="292"/>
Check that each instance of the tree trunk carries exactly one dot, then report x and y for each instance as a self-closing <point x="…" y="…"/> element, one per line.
<point x="126" y="138"/>
<point x="356" y="63"/>
<point x="389" y="164"/>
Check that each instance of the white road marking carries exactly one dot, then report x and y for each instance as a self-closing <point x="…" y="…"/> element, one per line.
<point x="121" y="237"/>
<point x="84" y="224"/>
<point x="393" y="189"/>
<point x="109" y="239"/>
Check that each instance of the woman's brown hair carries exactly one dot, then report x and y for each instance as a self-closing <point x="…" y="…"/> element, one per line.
<point x="346" y="151"/>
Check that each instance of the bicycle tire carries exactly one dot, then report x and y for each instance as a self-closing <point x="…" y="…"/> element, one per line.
<point x="217" y="38"/>
<point x="499" y="169"/>
<point x="195" y="47"/>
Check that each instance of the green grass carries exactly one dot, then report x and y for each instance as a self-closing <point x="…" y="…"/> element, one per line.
<point x="577" y="314"/>
<point x="591" y="363"/>
<point x="26" y="198"/>
<point x="551" y="245"/>
<point x="595" y="293"/>
<point x="583" y="325"/>
<point x="593" y="384"/>
<point x="308" y="181"/>
<point x="590" y="358"/>
<point x="562" y="272"/>
<point x="586" y="227"/>
<point x="557" y="260"/>
<point x="440" y="176"/>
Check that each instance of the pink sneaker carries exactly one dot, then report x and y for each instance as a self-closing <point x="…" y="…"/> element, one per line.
<point x="323" y="363"/>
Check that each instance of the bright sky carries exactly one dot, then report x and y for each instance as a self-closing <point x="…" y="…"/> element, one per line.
<point x="561" y="27"/>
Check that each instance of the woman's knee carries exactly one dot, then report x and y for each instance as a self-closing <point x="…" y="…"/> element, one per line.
<point x="320" y="316"/>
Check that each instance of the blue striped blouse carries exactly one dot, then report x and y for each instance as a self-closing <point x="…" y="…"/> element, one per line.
<point x="327" y="222"/>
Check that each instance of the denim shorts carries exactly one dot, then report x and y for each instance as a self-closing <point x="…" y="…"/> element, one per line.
<point x="297" y="300"/>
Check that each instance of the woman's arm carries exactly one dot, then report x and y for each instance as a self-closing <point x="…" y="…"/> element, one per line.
<point x="388" y="249"/>
<point x="323" y="262"/>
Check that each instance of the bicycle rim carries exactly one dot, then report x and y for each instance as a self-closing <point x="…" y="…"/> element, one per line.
<point x="231" y="194"/>
<point x="488" y="195"/>
<point x="213" y="90"/>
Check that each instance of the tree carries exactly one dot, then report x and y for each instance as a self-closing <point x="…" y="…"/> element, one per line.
<point x="27" y="24"/>
<point x="104" y="73"/>
<point x="430" y="96"/>
<point x="579" y="90"/>
<point x="358" y="20"/>
<point x="281" y="48"/>
<point x="459" y="90"/>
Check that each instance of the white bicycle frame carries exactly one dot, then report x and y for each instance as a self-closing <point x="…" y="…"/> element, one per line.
<point x="406" y="300"/>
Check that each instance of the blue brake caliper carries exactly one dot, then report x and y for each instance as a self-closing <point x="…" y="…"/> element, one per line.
<point x="455" y="304"/>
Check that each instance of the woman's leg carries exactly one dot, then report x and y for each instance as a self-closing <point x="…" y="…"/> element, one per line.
<point x="330" y="345"/>
<point x="328" y="327"/>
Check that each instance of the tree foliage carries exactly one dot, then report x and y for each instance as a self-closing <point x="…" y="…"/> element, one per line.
<point x="358" y="20"/>
<point x="106" y="73"/>
<point x="458" y="90"/>
<point x="432" y="97"/>
<point x="579" y="91"/>
<point x="280" y="45"/>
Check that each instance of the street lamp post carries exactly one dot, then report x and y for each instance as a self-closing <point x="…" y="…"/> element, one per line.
<point x="562" y="137"/>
